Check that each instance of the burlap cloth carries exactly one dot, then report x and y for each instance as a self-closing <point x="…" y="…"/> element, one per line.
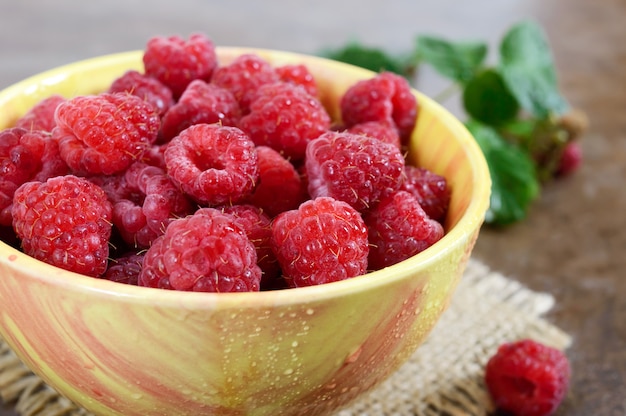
<point x="445" y="375"/>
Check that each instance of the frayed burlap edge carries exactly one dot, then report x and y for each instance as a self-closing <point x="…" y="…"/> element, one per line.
<point x="444" y="377"/>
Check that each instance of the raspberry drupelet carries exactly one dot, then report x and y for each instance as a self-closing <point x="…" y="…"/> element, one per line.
<point x="176" y="62"/>
<point x="66" y="222"/>
<point x="324" y="240"/>
<point x="354" y="168"/>
<point x="104" y="133"/>
<point x="213" y="164"/>
<point x="204" y="252"/>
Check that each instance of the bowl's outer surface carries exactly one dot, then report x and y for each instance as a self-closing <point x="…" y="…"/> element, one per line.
<point x="123" y="350"/>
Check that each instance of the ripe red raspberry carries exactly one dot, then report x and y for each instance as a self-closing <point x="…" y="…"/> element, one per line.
<point x="398" y="229"/>
<point x="430" y="189"/>
<point x="25" y="155"/>
<point x="324" y="240"/>
<point x="258" y="228"/>
<point x="204" y="252"/>
<point x="527" y="378"/>
<point x="176" y="62"/>
<point x="200" y="103"/>
<point x="354" y="168"/>
<point x="386" y="97"/>
<point x="285" y="118"/>
<point x="213" y="164"/>
<point x="147" y="88"/>
<point x="571" y="159"/>
<point x="279" y="187"/>
<point x="243" y="76"/>
<point x="41" y="116"/>
<point x="104" y="133"/>
<point x="151" y="202"/>
<point x="386" y="132"/>
<point x="66" y="222"/>
<point x="300" y="75"/>
<point x="125" y="269"/>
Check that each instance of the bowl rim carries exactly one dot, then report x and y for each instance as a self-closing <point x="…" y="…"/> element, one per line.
<point x="468" y="224"/>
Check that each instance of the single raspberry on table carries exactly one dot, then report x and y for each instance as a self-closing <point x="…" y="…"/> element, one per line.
<point x="398" y="228"/>
<point x="145" y="87"/>
<point x="204" y="252"/>
<point x="213" y="164"/>
<point x="386" y="97"/>
<point x="324" y="240"/>
<point x="298" y="74"/>
<point x="386" y="132"/>
<point x="125" y="268"/>
<point x="431" y="190"/>
<point x="66" y="222"/>
<point x="104" y="133"/>
<point x="527" y="378"/>
<point x="25" y="155"/>
<point x="571" y="159"/>
<point x="41" y="116"/>
<point x="243" y="76"/>
<point x="354" y="168"/>
<point x="285" y="118"/>
<point x="176" y="61"/>
<point x="258" y="228"/>
<point x="279" y="187"/>
<point x="200" y="103"/>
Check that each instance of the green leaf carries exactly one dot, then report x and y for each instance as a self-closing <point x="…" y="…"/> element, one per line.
<point x="455" y="60"/>
<point x="527" y="68"/>
<point x="486" y="98"/>
<point x="370" y="58"/>
<point x="514" y="182"/>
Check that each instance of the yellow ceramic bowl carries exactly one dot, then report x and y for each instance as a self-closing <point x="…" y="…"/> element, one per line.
<point x="125" y="350"/>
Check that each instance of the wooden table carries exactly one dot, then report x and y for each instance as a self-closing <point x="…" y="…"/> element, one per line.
<point x="572" y="245"/>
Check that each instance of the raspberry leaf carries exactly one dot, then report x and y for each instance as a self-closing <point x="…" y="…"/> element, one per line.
<point x="527" y="68"/>
<point x="487" y="98"/>
<point x="514" y="182"/>
<point x="371" y="58"/>
<point x="458" y="61"/>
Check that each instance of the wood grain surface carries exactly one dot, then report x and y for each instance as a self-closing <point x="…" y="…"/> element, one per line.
<point x="571" y="245"/>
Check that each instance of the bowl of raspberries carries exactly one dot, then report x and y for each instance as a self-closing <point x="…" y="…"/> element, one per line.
<point x="193" y="229"/>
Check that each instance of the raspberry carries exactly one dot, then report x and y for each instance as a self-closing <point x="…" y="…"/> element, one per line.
<point x="386" y="132"/>
<point x="324" y="240"/>
<point x="257" y="226"/>
<point x="430" y="189"/>
<point x="176" y="62"/>
<point x="104" y="133"/>
<point x="41" y="116"/>
<point x="151" y="203"/>
<point x="147" y="88"/>
<point x="204" y="252"/>
<point x="398" y="229"/>
<point x="279" y="187"/>
<point x="200" y="103"/>
<point x="527" y="378"/>
<point x="354" y="168"/>
<point x="25" y="155"/>
<point x="213" y="164"/>
<point x="243" y="76"/>
<point x="285" y="118"/>
<point x="300" y="75"/>
<point x="387" y="97"/>
<point x="125" y="269"/>
<point x="571" y="159"/>
<point x="66" y="222"/>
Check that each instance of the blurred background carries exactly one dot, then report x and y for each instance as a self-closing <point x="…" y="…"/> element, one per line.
<point x="572" y="243"/>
